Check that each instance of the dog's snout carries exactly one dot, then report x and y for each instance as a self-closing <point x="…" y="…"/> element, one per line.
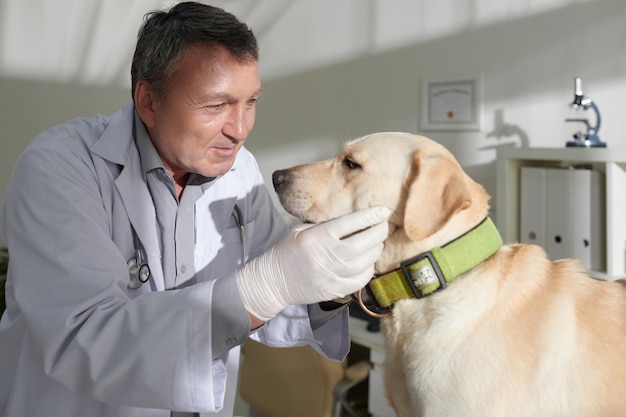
<point x="279" y="178"/>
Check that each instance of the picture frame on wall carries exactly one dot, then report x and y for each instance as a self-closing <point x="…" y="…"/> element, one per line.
<point x="452" y="103"/>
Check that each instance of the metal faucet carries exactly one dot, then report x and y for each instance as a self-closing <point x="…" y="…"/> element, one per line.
<point x="589" y="139"/>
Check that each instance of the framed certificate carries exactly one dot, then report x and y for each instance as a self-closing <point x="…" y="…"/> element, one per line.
<point x="452" y="104"/>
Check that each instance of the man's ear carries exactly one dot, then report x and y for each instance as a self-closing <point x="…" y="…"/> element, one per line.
<point x="436" y="192"/>
<point x="145" y="102"/>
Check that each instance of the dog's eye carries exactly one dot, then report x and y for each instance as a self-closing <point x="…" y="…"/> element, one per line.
<point x="350" y="164"/>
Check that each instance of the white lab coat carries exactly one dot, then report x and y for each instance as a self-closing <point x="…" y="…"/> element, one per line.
<point x="74" y="340"/>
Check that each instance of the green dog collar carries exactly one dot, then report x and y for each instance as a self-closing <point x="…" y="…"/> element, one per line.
<point x="432" y="271"/>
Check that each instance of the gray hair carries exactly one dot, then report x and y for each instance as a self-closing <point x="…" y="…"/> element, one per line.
<point x="166" y="36"/>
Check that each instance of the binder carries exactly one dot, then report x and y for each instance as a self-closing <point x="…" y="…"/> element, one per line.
<point x="533" y="206"/>
<point x="587" y="236"/>
<point x="558" y="213"/>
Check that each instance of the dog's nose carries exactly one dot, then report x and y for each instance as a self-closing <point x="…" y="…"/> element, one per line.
<point x="278" y="178"/>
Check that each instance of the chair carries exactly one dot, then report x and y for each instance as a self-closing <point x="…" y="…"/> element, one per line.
<point x="298" y="381"/>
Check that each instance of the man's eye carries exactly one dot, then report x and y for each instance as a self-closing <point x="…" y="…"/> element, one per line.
<point x="350" y="164"/>
<point x="219" y="106"/>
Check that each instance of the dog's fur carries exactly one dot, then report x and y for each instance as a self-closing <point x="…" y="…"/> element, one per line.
<point x="518" y="335"/>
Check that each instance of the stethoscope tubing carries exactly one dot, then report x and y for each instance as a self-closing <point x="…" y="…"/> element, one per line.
<point x="239" y="220"/>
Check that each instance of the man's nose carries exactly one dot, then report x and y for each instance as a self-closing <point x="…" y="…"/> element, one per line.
<point x="238" y="124"/>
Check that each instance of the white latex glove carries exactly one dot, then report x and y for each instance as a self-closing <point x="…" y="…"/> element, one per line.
<point x="315" y="263"/>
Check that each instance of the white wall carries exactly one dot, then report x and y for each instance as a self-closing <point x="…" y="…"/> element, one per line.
<point x="528" y="64"/>
<point x="528" y="61"/>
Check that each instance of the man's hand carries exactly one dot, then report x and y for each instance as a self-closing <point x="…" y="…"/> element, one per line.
<point x="315" y="263"/>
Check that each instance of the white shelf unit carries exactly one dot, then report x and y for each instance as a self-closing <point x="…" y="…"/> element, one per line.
<point x="612" y="162"/>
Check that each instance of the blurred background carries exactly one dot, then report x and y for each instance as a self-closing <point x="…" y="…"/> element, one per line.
<point x="337" y="69"/>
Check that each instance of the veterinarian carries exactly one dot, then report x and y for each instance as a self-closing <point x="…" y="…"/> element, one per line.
<point x="144" y="247"/>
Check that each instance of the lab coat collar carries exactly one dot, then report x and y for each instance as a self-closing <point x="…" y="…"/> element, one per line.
<point x="115" y="143"/>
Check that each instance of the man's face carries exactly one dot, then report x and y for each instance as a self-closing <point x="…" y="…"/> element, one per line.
<point x="207" y="114"/>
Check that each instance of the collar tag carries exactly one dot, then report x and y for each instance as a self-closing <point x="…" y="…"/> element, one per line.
<point x="423" y="277"/>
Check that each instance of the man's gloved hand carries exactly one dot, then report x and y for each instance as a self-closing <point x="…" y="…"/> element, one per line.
<point x="315" y="263"/>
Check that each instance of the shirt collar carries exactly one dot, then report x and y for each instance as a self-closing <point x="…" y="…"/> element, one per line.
<point x="149" y="157"/>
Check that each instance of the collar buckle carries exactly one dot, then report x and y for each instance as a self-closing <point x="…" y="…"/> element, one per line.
<point x="422" y="273"/>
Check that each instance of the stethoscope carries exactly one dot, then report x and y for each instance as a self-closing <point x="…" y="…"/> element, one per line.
<point x="138" y="268"/>
<point x="238" y="216"/>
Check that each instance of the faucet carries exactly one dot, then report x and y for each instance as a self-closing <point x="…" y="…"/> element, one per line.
<point x="589" y="139"/>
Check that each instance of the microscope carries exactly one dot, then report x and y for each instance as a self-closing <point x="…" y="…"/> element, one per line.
<point x="589" y="139"/>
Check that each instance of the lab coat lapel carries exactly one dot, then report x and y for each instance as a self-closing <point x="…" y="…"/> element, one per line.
<point x="140" y="209"/>
<point x="117" y="145"/>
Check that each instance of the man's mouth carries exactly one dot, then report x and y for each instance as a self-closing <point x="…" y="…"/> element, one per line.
<point x="224" y="151"/>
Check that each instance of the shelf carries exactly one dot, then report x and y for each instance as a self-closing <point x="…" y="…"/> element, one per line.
<point x="612" y="162"/>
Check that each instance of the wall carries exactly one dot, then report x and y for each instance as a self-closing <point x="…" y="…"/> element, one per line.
<point x="29" y="107"/>
<point x="528" y="65"/>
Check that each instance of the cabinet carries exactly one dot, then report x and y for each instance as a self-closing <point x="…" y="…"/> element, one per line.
<point x="610" y="162"/>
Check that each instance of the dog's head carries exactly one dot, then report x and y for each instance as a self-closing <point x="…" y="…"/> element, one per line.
<point x="432" y="199"/>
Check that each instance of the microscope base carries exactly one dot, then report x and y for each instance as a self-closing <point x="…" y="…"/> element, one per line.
<point x="581" y="144"/>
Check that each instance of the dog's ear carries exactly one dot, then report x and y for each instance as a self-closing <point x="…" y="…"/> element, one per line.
<point x="437" y="190"/>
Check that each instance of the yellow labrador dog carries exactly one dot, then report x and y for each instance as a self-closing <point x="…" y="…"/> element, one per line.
<point x="476" y="328"/>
